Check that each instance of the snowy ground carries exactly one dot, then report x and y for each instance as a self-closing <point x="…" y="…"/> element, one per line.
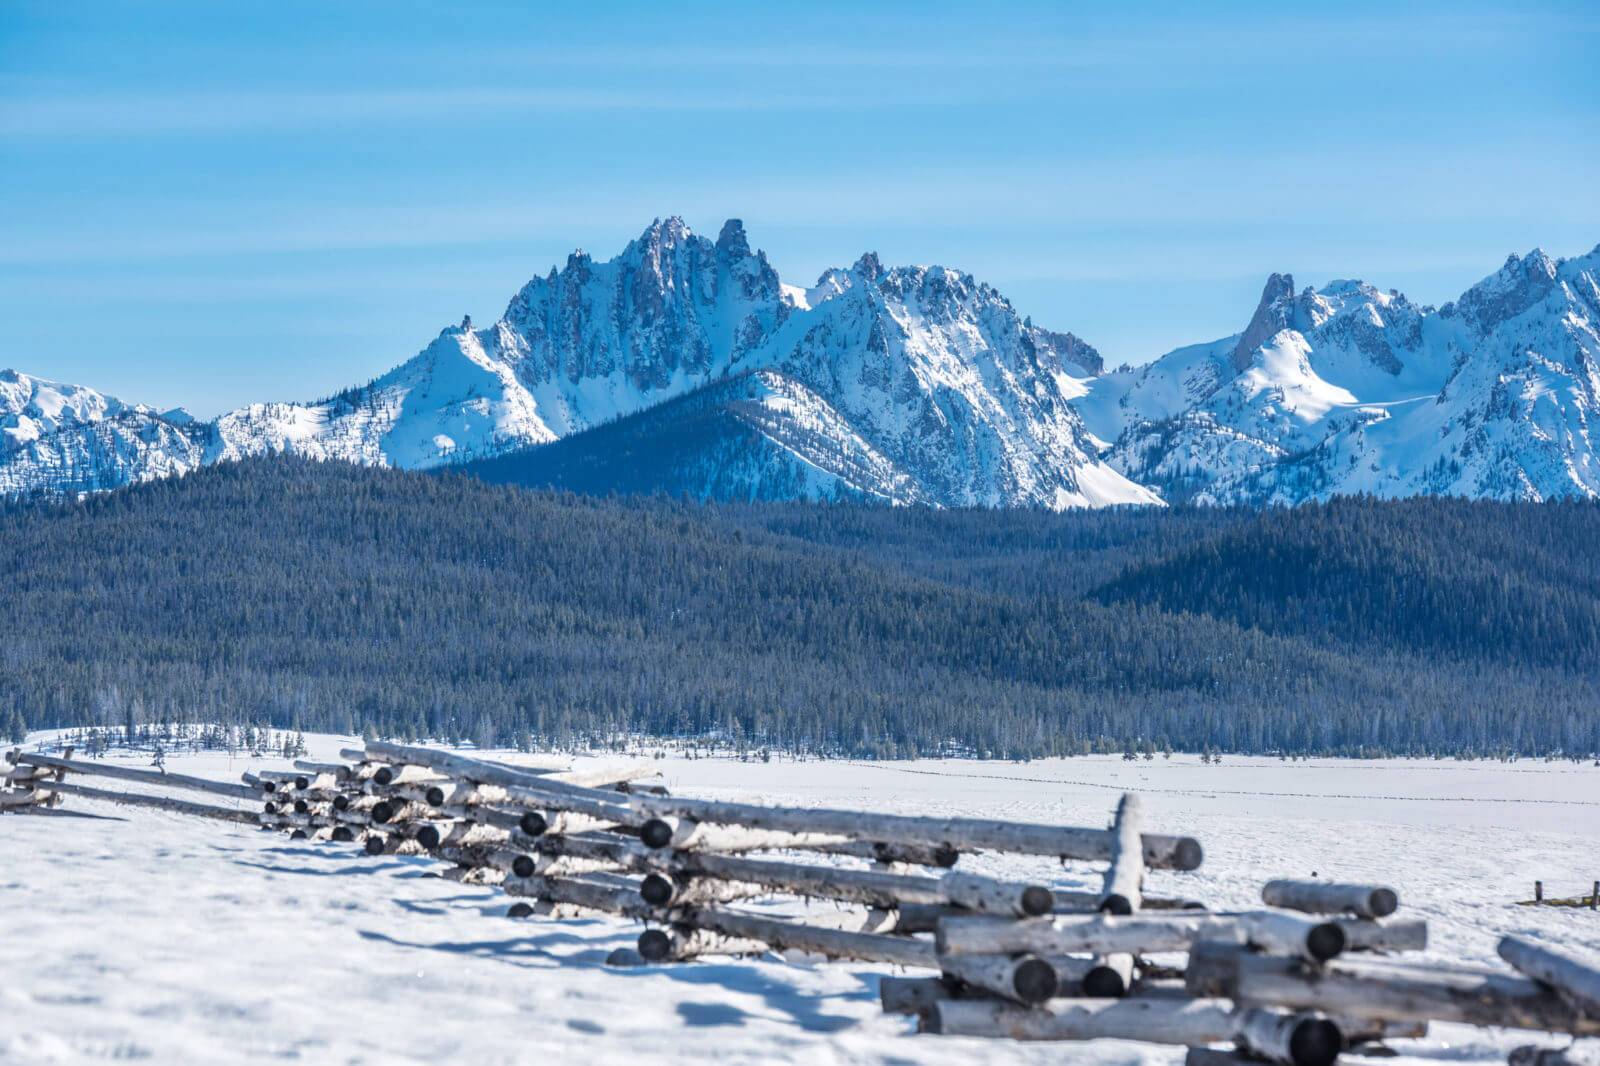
<point x="169" y="939"/>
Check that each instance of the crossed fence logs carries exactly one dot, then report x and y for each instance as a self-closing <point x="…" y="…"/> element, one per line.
<point x="1306" y="976"/>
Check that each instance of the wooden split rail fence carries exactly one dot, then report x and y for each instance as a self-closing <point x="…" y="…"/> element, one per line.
<point x="1309" y="974"/>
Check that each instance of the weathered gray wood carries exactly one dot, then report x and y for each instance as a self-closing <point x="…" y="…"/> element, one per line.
<point x="914" y="995"/>
<point x="1302" y="1039"/>
<point x="1021" y="978"/>
<point x="1574" y="981"/>
<point x="449" y="764"/>
<point x="686" y="834"/>
<point x="164" y="803"/>
<point x="985" y="895"/>
<point x="293" y="779"/>
<point x="1124" y="882"/>
<point x="1090" y="844"/>
<point x="911" y="855"/>
<point x="886" y="891"/>
<point x="589" y="895"/>
<point x="1365" y="934"/>
<point x="1162" y="852"/>
<point x="337" y="770"/>
<point x="407" y="774"/>
<point x="923" y="917"/>
<point x="1584" y="1053"/>
<point x="1367" y="1031"/>
<point x="677" y="890"/>
<point x="607" y="777"/>
<point x="1137" y="934"/>
<point x="146" y="777"/>
<point x="799" y="936"/>
<point x="1159" y="1021"/>
<point x="1331" y="897"/>
<point x="10" y="800"/>
<point x="679" y="943"/>
<point x="1210" y="1056"/>
<point x="1383" y="991"/>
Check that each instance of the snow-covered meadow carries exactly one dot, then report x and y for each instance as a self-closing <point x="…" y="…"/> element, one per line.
<point x="170" y="939"/>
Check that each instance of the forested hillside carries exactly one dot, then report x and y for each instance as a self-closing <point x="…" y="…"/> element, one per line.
<point x="327" y="596"/>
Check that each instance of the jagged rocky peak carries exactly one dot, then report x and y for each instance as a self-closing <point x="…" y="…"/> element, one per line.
<point x="1074" y="353"/>
<point x="1509" y="291"/>
<point x="1275" y="312"/>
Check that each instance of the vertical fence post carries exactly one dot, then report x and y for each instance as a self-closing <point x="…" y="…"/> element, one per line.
<point x="1594" y="897"/>
<point x="1538" y="891"/>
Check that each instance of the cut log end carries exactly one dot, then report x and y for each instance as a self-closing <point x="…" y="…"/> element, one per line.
<point x="428" y="837"/>
<point x="343" y="834"/>
<point x="384" y="775"/>
<point x="1384" y="902"/>
<point x="533" y="824"/>
<point x="520" y="910"/>
<point x="1188" y="855"/>
<point x="302" y="783"/>
<point x="375" y="845"/>
<point x="1104" y="982"/>
<point x="341" y="802"/>
<point x="523" y="866"/>
<point x="1325" y="941"/>
<point x="1034" y="981"/>
<point x="298" y="834"/>
<point x="302" y="807"/>
<point x="1037" y="900"/>
<point x="944" y="856"/>
<point x="1315" y="1042"/>
<point x="656" y="890"/>
<point x="1116" y="903"/>
<point x="382" y="811"/>
<point x="655" y="833"/>
<point x="434" y="796"/>
<point x="655" y="945"/>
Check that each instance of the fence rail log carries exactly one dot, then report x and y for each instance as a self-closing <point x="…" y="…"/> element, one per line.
<point x="1123" y="888"/>
<point x="686" y="834"/>
<point x="164" y="803"/>
<point x="679" y="943"/>
<point x="1024" y="979"/>
<point x="1575" y="982"/>
<point x="787" y="935"/>
<point x="1581" y="1054"/>
<point x="146" y="777"/>
<point x="1330" y="897"/>
<point x="1109" y="977"/>
<point x="1106" y="934"/>
<point x="607" y="898"/>
<point x="23" y="799"/>
<point x="914" y="995"/>
<point x="1366" y="934"/>
<point x="910" y="855"/>
<point x="1383" y="991"/>
<point x="1162" y="852"/>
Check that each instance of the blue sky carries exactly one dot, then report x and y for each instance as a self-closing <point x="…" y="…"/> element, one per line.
<point x="207" y="204"/>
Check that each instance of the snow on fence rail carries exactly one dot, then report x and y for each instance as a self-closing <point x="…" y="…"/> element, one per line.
<point x="1305" y="977"/>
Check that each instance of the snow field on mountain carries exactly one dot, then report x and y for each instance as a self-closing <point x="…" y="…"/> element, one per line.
<point x="171" y="939"/>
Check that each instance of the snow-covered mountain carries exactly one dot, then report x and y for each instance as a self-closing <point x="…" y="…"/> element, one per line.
<point x="685" y="365"/>
<point x="905" y="384"/>
<point x="1349" y="389"/>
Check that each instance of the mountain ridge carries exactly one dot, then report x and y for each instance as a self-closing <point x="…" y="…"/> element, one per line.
<point x="917" y="384"/>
